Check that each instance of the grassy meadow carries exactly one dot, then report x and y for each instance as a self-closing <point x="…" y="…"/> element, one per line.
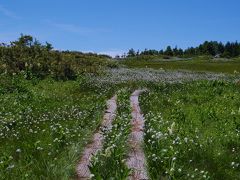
<point x="192" y="130"/>
<point x="51" y="106"/>
<point x="198" y="64"/>
<point x="44" y="126"/>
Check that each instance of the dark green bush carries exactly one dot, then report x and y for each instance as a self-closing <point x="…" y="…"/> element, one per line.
<point x="39" y="61"/>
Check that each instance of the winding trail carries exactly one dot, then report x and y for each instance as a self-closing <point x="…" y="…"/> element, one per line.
<point x="136" y="158"/>
<point x="91" y="149"/>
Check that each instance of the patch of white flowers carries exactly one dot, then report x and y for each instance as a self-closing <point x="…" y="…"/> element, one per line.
<point x="124" y="75"/>
<point x="47" y="132"/>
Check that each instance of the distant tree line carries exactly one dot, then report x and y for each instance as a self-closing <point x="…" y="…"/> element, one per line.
<point x="210" y="48"/>
<point x="27" y="55"/>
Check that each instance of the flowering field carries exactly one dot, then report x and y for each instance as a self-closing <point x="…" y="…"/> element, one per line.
<point x="110" y="161"/>
<point x="192" y="125"/>
<point x="192" y="130"/>
<point x="45" y="125"/>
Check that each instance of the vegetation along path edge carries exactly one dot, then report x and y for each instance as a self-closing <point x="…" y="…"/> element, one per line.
<point x="92" y="148"/>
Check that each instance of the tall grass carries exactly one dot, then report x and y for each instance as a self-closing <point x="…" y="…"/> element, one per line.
<point x="45" y="125"/>
<point x="192" y="130"/>
<point x="197" y="64"/>
<point x="110" y="162"/>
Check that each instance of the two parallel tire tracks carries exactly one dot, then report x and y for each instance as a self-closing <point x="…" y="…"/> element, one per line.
<point x="136" y="159"/>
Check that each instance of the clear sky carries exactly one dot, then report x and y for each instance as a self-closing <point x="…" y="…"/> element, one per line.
<point x="114" y="26"/>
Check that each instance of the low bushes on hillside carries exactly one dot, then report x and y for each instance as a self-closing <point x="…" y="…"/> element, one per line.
<point x="40" y="60"/>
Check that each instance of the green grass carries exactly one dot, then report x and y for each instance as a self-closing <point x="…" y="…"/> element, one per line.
<point x="197" y="64"/>
<point x="110" y="162"/>
<point x="192" y="130"/>
<point x="45" y="125"/>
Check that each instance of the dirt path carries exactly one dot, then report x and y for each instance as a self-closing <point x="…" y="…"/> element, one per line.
<point x="136" y="158"/>
<point x="91" y="149"/>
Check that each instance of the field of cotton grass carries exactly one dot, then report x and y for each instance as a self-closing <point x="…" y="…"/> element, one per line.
<point x="192" y="131"/>
<point x="45" y="125"/>
<point x="192" y="125"/>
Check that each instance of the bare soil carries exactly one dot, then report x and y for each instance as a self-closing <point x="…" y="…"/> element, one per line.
<point x="136" y="158"/>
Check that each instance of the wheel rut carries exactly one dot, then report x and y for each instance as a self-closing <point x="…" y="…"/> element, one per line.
<point x="136" y="159"/>
<point x="96" y="144"/>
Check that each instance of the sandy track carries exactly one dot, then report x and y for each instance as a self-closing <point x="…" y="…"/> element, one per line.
<point x="91" y="149"/>
<point x="136" y="158"/>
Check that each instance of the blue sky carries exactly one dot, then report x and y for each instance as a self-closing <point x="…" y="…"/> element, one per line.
<point x="108" y="26"/>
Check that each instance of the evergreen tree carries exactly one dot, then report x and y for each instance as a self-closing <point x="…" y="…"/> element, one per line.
<point x="168" y="51"/>
<point x="175" y="51"/>
<point x="228" y="50"/>
<point x="180" y="52"/>
<point x="131" y="53"/>
<point x="221" y="48"/>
